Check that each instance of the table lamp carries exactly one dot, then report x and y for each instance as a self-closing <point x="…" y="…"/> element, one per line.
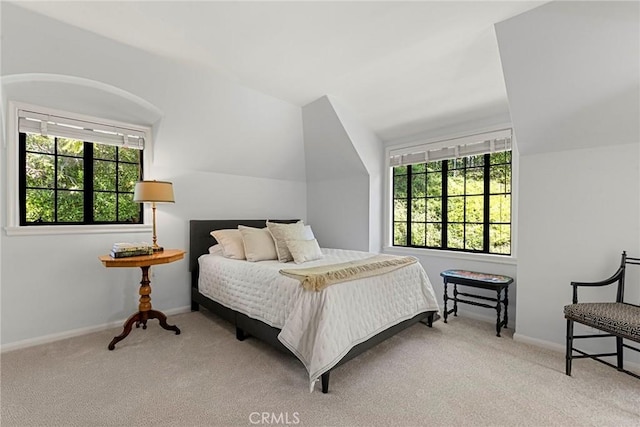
<point x="153" y="192"/>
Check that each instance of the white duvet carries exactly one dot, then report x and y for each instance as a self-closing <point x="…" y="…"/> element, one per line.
<point x="318" y="327"/>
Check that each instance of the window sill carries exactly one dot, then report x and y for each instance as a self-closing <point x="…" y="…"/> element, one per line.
<point x="76" y="229"/>
<point x="494" y="259"/>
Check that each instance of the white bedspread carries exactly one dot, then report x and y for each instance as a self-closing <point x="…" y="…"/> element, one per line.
<point x="318" y="327"/>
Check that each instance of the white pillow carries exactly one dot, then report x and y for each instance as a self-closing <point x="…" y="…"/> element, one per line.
<point x="304" y="250"/>
<point x="281" y="233"/>
<point x="308" y="233"/>
<point x="231" y="241"/>
<point x="258" y="244"/>
<point x="215" y="249"/>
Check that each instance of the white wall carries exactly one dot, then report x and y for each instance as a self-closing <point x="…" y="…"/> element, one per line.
<point x="579" y="210"/>
<point x="337" y="210"/>
<point x="572" y="71"/>
<point x="369" y="148"/>
<point x="230" y="151"/>
<point x="337" y="180"/>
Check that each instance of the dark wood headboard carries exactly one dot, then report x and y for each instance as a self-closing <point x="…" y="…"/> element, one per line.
<point x="200" y="238"/>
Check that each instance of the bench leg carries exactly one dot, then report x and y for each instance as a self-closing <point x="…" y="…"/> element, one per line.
<point x="569" y="346"/>
<point x="455" y="300"/>
<point x="506" y="307"/>
<point x="498" y="321"/>
<point x="446" y="297"/>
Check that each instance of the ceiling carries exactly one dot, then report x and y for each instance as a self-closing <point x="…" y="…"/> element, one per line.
<point x="402" y="67"/>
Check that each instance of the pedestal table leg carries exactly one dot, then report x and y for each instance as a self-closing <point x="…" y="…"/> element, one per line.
<point x="144" y="312"/>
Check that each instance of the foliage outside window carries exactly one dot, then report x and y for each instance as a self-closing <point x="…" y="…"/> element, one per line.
<point x="461" y="204"/>
<point x="68" y="181"/>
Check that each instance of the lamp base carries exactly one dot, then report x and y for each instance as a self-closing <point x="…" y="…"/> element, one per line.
<point x="158" y="249"/>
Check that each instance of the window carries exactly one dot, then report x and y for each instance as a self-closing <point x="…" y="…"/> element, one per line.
<point x="455" y="202"/>
<point x="77" y="172"/>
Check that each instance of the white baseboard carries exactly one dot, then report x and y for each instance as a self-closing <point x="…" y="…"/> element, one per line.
<point x="476" y="316"/>
<point x="560" y="348"/>
<point x="77" y="332"/>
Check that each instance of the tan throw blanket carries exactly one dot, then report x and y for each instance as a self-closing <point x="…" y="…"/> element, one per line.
<point x="318" y="278"/>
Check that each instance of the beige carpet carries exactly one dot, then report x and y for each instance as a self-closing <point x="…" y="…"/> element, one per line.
<point x="456" y="374"/>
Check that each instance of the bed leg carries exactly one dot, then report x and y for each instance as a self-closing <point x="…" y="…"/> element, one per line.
<point x="325" y="382"/>
<point x="195" y="306"/>
<point x="429" y="320"/>
<point x="240" y="335"/>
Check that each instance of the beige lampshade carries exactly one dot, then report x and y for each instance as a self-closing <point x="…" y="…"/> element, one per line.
<point x="153" y="191"/>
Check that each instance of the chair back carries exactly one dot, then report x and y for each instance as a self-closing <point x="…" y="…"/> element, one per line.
<point x="625" y="260"/>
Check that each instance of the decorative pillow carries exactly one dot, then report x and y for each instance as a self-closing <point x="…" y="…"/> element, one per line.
<point x="308" y="233"/>
<point x="304" y="250"/>
<point x="215" y="249"/>
<point x="231" y="242"/>
<point x="258" y="244"/>
<point x="281" y="233"/>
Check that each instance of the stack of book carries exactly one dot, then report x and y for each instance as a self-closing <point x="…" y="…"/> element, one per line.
<point x="121" y="250"/>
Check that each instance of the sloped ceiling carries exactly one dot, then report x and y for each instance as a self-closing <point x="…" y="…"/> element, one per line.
<point x="577" y="83"/>
<point x="402" y="67"/>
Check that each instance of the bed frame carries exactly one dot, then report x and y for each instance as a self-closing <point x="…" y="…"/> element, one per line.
<point x="200" y="240"/>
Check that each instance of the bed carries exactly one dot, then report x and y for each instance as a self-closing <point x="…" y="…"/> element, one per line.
<point x="290" y="331"/>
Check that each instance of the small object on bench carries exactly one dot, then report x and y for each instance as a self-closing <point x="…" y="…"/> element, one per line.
<point x="618" y="319"/>
<point x="475" y="279"/>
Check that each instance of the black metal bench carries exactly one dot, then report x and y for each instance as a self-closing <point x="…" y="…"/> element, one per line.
<point x="617" y="319"/>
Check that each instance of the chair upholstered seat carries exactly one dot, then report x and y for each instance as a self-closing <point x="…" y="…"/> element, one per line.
<point x="617" y="318"/>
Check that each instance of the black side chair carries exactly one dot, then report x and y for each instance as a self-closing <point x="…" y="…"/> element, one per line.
<point x="618" y="319"/>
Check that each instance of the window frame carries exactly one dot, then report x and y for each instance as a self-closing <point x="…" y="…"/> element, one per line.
<point x="13" y="225"/>
<point x="443" y="172"/>
<point x="436" y="144"/>
<point x="89" y="192"/>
